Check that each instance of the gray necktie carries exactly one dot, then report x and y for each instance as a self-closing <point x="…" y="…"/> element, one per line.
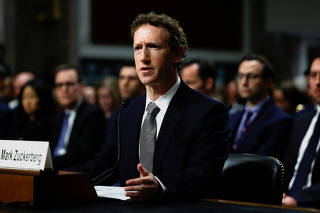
<point x="148" y="136"/>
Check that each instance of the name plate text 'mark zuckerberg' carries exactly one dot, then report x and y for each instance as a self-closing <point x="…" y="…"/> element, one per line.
<point x="25" y="155"/>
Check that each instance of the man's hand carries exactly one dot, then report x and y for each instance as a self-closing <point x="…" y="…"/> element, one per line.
<point x="289" y="201"/>
<point x="144" y="188"/>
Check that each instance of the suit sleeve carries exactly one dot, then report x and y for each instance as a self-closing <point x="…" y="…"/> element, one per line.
<point x="309" y="197"/>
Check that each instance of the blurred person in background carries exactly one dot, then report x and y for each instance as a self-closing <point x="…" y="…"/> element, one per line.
<point x="232" y="99"/>
<point x="32" y="118"/>
<point x="129" y="83"/>
<point x="200" y="75"/>
<point x="19" y="81"/>
<point x="107" y="99"/>
<point x="89" y="94"/>
<point x="78" y="128"/>
<point x="289" y="98"/>
<point x="261" y="127"/>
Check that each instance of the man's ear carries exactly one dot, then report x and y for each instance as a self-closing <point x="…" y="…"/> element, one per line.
<point x="179" y="54"/>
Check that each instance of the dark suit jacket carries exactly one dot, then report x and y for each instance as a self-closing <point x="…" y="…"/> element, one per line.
<point x="6" y="116"/>
<point x="309" y="196"/>
<point x="86" y="138"/>
<point x="191" y="147"/>
<point x="268" y="134"/>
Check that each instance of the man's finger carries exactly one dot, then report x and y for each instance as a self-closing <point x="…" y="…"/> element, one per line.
<point x="143" y="172"/>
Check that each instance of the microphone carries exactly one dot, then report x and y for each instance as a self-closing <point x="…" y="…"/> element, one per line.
<point x="108" y="173"/>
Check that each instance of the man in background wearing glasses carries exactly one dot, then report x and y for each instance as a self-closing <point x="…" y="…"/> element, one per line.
<point x="261" y="128"/>
<point x="78" y="128"/>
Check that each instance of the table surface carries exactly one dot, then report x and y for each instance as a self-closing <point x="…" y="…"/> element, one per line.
<point x="204" y="206"/>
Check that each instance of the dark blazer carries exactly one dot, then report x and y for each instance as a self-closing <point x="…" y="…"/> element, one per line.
<point x="191" y="147"/>
<point x="311" y="195"/>
<point x="22" y="128"/>
<point x="6" y="116"/>
<point x="268" y="134"/>
<point x="86" y="138"/>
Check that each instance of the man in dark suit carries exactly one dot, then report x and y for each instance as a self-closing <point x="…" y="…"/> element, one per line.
<point x="189" y="134"/>
<point x="302" y="159"/>
<point x="261" y="128"/>
<point x="79" y="128"/>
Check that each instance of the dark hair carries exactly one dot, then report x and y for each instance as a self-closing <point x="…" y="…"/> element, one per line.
<point x="307" y="71"/>
<point x="267" y="69"/>
<point x="206" y="69"/>
<point x="46" y="103"/>
<point x="177" y="35"/>
<point x="68" y="67"/>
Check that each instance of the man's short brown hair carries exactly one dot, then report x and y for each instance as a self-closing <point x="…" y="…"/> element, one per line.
<point x="177" y="36"/>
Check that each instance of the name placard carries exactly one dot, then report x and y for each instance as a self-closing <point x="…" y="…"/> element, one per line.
<point x="26" y="155"/>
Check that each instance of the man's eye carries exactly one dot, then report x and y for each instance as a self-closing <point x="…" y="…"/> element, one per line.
<point x="137" y="48"/>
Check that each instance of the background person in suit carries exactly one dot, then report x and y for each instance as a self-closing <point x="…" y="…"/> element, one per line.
<point x="191" y="134"/>
<point x="302" y="159"/>
<point x="200" y="75"/>
<point x="261" y="128"/>
<point x="79" y="127"/>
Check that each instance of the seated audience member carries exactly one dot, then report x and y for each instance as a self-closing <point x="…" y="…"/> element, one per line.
<point x="5" y="111"/>
<point x="200" y="75"/>
<point x="261" y="128"/>
<point x="32" y="119"/>
<point x="288" y="98"/>
<point x="129" y="83"/>
<point x="107" y="99"/>
<point x="89" y="94"/>
<point x="302" y="159"/>
<point x="79" y="127"/>
<point x="18" y="82"/>
<point x="173" y="140"/>
<point x="232" y="98"/>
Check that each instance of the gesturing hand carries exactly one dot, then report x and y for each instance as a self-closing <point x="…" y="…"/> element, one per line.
<point x="144" y="188"/>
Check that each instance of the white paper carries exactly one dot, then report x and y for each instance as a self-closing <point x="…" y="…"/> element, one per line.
<point x="114" y="192"/>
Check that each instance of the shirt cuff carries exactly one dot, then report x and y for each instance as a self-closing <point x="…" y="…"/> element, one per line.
<point x="164" y="188"/>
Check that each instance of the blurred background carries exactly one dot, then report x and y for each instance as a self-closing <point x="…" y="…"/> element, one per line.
<point x="37" y="35"/>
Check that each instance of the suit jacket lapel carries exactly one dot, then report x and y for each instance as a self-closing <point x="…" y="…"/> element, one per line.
<point x="168" y="126"/>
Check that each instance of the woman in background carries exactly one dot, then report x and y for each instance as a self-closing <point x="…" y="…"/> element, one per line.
<point x="108" y="97"/>
<point x="32" y="119"/>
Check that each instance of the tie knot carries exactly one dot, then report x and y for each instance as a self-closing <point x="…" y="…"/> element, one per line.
<point x="153" y="109"/>
<point x="66" y="115"/>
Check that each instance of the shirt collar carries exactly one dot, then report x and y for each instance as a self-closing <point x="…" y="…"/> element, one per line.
<point x="164" y="100"/>
<point x="258" y="107"/>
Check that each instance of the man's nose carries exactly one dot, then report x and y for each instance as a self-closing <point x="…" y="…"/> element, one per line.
<point x="145" y="55"/>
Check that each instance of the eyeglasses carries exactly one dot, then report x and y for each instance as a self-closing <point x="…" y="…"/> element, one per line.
<point x="249" y="76"/>
<point x="67" y="84"/>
